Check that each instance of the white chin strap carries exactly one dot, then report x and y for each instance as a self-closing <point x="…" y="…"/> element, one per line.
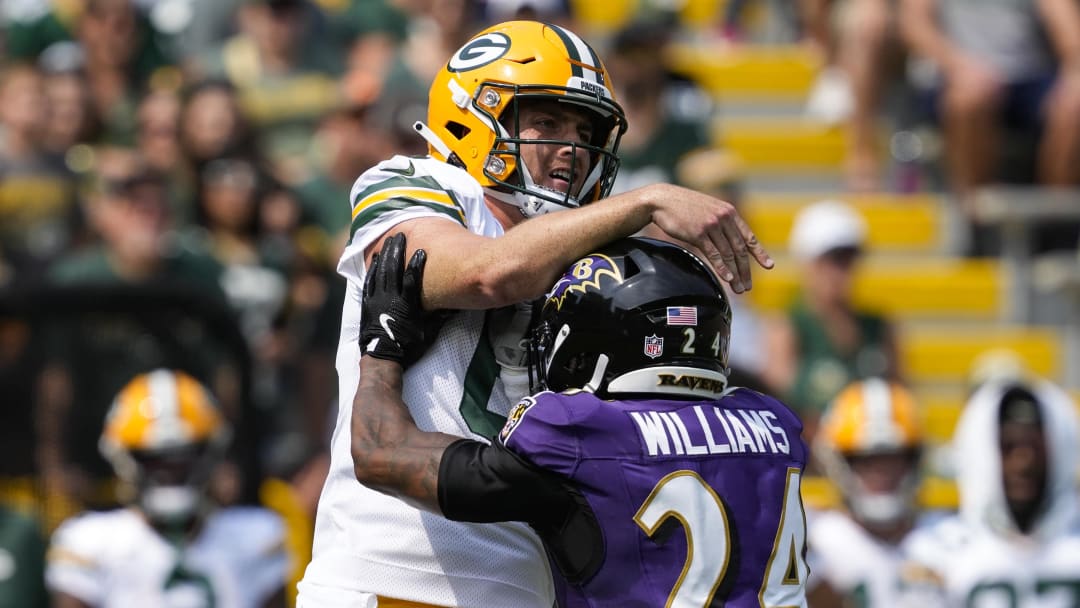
<point x="879" y="509"/>
<point x="530" y="204"/>
<point x="170" y="503"/>
<point x="534" y="201"/>
<point x="883" y="508"/>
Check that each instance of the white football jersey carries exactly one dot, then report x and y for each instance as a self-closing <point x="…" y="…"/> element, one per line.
<point x="366" y="541"/>
<point x="978" y="558"/>
<point x="852" y="561"/>
<point x="114" y="559"/>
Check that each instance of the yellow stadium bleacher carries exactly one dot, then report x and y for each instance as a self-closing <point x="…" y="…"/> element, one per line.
<point x="781" y="145"/>
<point x="749" y="71"/>
<point x="941" y="411"/>
<point x="819" y="492"/>
<point x="945" y="355"/>
<point x="917" y="288"/>
<point x="895" y="222"/>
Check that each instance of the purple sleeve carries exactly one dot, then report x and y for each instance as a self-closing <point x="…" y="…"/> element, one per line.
<point x="536" y="429"/>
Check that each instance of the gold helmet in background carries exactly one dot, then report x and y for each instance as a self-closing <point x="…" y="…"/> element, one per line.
<point x="163" y="435"/>
<point x="873" y="419"/>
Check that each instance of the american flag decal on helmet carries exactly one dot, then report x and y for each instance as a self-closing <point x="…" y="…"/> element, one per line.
<point x="682" y="315"/>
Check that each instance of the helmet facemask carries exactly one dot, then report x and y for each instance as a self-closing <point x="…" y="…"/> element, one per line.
<point x="164" y="437"/>
<point x="877" y="506"/>
<point x="869" y="443"/>
<point x="514" y="180"/>
<point x="170" y="483"/>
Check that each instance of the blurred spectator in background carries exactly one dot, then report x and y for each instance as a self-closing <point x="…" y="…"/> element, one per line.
<point x="172" y="546"/>
<point x="212" y="124"/>
<point x="228" y="225"/>
<point x="824" y="341"/>
<point x="285" y="74"/>
<point x="349" y="141"/>
<point x="38" y="211"/>
<point x="859" y="43"/>
<point x="869" y="444"/>
<point x="129" y="210"/>
<point x="437" y="28"/>
<point x="994" y="67"/>
<point x="22" y="561"/>
<point x="108" y="34"/>
<point x="1016" y="538"/>
<point x="353" y="21"/>
<point x="668" y="139"/>
<point x="157" y="141"/>
<point x="116" y="42"/>
<point x="72" y="118"/>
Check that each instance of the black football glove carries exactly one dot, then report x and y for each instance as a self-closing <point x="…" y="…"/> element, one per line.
<point x="392" y="320"/>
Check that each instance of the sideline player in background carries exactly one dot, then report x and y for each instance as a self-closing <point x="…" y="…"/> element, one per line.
<point x="1016" y="540"/>
<point x="521" y="122"/>
<point x="164" y="436"/>
<point x="649" y="480"/>
<point x="870" y="445"/>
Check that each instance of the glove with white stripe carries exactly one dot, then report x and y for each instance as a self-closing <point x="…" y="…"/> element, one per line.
<point x="392" y="319"/>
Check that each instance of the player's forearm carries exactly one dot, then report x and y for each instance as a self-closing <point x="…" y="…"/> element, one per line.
<point x="390" y="454"/>
<point x="488" y="483"/>
<point x="524" y="262"/>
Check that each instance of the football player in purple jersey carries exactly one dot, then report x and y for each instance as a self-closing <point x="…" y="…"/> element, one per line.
<point x="650" y="481"/>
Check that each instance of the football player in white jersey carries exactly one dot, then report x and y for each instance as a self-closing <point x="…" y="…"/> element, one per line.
<point x="869" y="444"/>
<point x="170" y="548"/>
<point x="1015" y="542"/>
<point x="521" y="122"/>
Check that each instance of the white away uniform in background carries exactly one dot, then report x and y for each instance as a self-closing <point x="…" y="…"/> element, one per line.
<point x="852" y="561"/>
<point x="978" y="559"/>
<point x="114" y="559"/>
<point x="368" y="542"/>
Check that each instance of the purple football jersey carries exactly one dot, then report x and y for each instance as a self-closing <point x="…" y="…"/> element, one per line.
<point x="697" y="501"/>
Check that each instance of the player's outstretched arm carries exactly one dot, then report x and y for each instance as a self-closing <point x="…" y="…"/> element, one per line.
<point x="468" y="271"/>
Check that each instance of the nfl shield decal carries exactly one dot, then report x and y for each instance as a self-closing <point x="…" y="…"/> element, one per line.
<point x="654" y="346"/>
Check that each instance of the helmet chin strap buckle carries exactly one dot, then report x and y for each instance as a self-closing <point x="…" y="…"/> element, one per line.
<point x="432" y="139"/>
<point x="598" y="374"/>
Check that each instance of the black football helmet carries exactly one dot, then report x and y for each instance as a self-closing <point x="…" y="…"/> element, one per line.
<point x="638" y="317"/>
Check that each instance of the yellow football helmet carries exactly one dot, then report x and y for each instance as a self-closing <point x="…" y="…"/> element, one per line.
<point x="484" y="82"/>
<point x="163" y="435"/>
<point x="872" y="417"/>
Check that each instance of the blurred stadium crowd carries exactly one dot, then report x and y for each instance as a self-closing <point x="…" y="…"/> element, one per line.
<point x="174" y="177"/>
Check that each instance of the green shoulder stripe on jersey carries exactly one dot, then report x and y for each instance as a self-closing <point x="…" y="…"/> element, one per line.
<point x="402" y="181"/>
<point x="398" y="193"/>
<point x="399" y="203"/>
